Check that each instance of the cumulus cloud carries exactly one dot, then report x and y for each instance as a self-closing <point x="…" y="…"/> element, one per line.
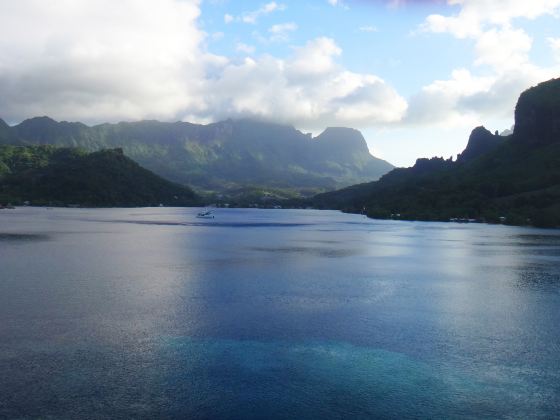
<point x="102" y="60"/>
<point x="252" y="16"/>
<point x="244" y="48"/>
<point x="94" y="60"/>
<point x="309" y="89"/>
<point x="281" y="31"/>
<point x="315" y="59"/>
<point x="500" y="97"/>
<point x="499" y="47"/>
<point x="438" y="101"/>
<point x="475" y="15"/>
<point x="503" y="48"/>
<point x="467" y="97"/>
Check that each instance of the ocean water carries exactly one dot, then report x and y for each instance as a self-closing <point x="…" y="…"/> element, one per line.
<point x="153" y="313"/>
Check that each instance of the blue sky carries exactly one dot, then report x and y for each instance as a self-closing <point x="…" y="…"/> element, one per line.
<point x="414" y="76"/>
<point x="374" y="37"/>
<point x="382" y="38"/>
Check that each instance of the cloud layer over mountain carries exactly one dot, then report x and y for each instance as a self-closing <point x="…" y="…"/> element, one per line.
<point x="101" y="60"/>
<point x="105" y="60"/>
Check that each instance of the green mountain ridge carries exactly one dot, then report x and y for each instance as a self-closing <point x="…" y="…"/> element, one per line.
<point x="515" y="178"/>
<point x="46" y="175"/>
<point x="222" y="156"/>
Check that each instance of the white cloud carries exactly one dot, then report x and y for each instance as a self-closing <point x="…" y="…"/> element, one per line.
<point x="368" y="28"/>
<point x="314" y="59"/>
<point x="475" y="15"/>
<point x="462" y="27"/>
<point x="310" y="90"/>
<point x="503" y="48"/>
<point x="96" y="60"/>
<point x="281" y="31"/>
<point x="466" y="97"/>
<point x="499" y="98"/>
<point x="499" y="47"/>
<point x="282" y="27"/>
<point x="438" y="101"/>
<point x="102" y="60"/>
<point x="248" y="49"/>
<point x="252" y="17"/>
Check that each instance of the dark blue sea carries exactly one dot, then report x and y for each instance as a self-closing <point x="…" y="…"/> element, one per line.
<point x="274" y="314"/>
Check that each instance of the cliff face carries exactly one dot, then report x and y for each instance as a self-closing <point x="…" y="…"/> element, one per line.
<point x="342" y="140"/>
<point x="537" y="114"/>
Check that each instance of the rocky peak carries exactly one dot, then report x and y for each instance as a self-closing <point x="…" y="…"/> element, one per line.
<point x="481" y="141"/>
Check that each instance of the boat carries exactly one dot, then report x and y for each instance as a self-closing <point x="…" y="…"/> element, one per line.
<point x="205" y="215"/>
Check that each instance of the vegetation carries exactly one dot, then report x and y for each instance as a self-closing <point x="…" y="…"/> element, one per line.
<point x="46" y="175"/>
<point x="220" y="157"/>
<point x="513" y="180"/>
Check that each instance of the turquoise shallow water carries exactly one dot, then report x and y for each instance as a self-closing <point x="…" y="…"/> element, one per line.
<point x="150" y="313"/>
<point x="315" y="379"/>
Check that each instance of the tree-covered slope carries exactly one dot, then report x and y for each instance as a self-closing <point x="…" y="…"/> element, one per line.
<point x="516" y="177"/>
<point x="62" y="176"/>
<point x="223" y="156"/>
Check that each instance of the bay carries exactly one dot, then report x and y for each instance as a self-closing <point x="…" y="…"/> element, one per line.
<point x="154" y="313"/>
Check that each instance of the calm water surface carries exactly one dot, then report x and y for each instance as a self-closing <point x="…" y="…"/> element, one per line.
<point x="152" y="313"/>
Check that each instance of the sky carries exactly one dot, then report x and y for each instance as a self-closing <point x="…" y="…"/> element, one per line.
<point x="414" y="76"/>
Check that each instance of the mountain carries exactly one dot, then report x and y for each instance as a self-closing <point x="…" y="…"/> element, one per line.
<point x="512" y="178"/>
<point x="481" y="141"/>
<point x="62" y="176"/>
<point x="222" y="156"/>
<point x="537" y="114"/>
<point x="4" y="129"/>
